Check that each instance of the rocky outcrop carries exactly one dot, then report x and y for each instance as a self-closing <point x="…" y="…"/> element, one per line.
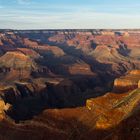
<point x="29" y="52"/>
<point x="15" y="65"/>
<point x="80" y="69"/>
<point x="3" y="108"/>
<point x="128" y="82"/>
<point x="21" y="90"/>
<point x="26" y="99"/>
<point x="135" y="72"/>
<point x="139" y="84"/>
<point x="16" y="60"/>
<point x="111" y="105"/>
<point x="124" y="85"/>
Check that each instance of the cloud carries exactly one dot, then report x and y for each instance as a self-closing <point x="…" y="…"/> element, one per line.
<point x="70" y="20"/>
<point x="47" y="16"/>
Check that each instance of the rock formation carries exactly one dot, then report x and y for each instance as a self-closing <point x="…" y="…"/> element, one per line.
<point x="69" y="84"/>
<point x="128" y="82"/>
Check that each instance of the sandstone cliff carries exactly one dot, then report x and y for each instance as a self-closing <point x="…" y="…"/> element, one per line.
<point x="128" y="82"/>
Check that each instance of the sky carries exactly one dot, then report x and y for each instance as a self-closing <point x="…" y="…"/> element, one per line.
<point x="69" y="14"/>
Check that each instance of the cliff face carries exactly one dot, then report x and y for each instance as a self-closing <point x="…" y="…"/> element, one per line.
<point x="128" y="82"/>
<point x="108" y="116"/>
<point x="70" y="70"/>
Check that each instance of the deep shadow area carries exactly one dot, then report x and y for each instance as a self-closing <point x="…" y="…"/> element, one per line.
<point x="69" y="93"/>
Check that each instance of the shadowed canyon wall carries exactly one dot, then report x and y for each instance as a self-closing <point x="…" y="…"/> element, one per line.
<point x="67" y="83"/>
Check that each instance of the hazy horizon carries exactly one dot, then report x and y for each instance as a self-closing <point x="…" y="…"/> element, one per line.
<point x="70" y="14"/>
<point x="51" y="29"/>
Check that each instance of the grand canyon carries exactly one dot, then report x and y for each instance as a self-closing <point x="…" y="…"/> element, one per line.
<point x="70" y="84"/>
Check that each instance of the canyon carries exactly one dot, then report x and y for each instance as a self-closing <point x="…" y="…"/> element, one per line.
<point x="69" y="84"/>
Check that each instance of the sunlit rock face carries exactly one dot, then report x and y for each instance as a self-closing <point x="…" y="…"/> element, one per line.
<point x="15" y="60"/>
<point x="118" y="105"/>
<point x="139" y="84"/>
<point x="3" y="108"/>
<point x="128" y="82"/>
<point x="70" y="84"/>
